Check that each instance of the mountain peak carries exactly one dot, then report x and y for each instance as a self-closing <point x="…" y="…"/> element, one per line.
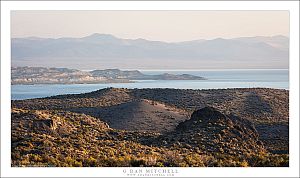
<point x="280" y="37"/>
<point x="100" y="36"/>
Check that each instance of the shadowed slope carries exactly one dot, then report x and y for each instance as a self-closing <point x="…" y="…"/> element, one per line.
<point x="139" y="115"/>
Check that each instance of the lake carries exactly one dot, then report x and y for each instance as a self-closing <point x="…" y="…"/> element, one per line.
<point x="216" y="79"/>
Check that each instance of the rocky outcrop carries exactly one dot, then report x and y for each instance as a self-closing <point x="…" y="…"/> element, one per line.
<point x="212" y="131"/>
<point x="53" y="122"/>
<point x="211" y="118"/>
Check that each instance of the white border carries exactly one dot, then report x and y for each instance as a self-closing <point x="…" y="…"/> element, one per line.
<point x="6" y="7"/>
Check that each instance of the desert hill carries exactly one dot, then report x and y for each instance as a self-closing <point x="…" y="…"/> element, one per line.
<point x="260" y="105"/>
<point x="266" y="108"/>
<point x="138" y="115"/>
<point x="153" y="127"/>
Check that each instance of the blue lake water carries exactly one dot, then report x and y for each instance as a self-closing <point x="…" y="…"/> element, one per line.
<point x="216" y="79"/>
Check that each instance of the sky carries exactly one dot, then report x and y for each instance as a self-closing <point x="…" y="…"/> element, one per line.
<point x="169" y="26"/>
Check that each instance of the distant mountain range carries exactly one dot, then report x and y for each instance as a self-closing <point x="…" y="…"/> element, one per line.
<point x="107" y="51"/>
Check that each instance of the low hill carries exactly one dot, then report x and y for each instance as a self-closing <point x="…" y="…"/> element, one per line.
<point x="138" y="115"/>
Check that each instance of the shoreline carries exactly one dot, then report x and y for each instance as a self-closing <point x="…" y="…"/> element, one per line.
<point x="106" y="82"/>
<point x="81" y="83"/>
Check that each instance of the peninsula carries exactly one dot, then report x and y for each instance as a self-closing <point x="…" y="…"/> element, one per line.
<point x="42" y="75"/>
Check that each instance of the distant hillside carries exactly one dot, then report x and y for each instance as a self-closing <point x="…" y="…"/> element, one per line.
<point x="42" y="75"/>
<point x="105" y="51"/>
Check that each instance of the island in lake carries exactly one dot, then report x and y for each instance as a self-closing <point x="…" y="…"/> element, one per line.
<point x="42" y="75"/>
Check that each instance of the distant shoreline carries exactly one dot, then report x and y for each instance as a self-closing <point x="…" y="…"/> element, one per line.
<point x="146" y="70"/>
<point x="42" y="75"/>
<point x="74" y="83"/>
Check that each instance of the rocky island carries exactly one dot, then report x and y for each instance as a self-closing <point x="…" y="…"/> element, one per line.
<point x="42" y="75"/>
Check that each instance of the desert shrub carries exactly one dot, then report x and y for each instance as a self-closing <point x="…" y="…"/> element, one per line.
<point x="280" y="160"/>
<point x="51" y="161"/>
<point x="172" y="159"/>
<point x="137" y="162"/>
<point x="194" y="160"/>
<point x="269" y="160"/>
<point x="35" y="158"/>
<point x="25" y="161"/>
<point x="15" y="155"/>
<point x="90" y="162"/>
<point x="151" y="161"/>
<point x="243" y="164"/>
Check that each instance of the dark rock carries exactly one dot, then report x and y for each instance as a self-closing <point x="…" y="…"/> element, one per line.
<point x="210" y="129"/>
<point x="45" y="123"/>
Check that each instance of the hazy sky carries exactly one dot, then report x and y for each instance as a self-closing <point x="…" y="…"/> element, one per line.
<point x="152" y="25"/>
